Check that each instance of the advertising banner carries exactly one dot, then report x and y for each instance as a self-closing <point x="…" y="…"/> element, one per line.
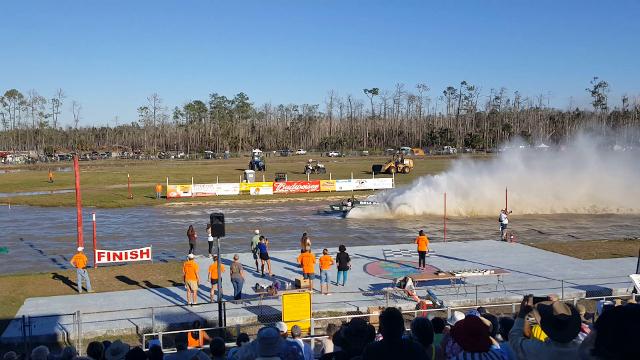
<point x="117" y="256"/>
<point x="287" y="187"/>
<point x="372" y="184"/>
<point x="216" y="189"/>
<point x="327" y="185"/>
<point x="257" y="188"/>
<point x="344" y="185"/>
<point x="178" y="191"/>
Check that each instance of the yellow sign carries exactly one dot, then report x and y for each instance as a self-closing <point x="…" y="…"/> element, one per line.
<point x="296" y="310"/>
<point x="327" y="185"/>
<point x="257" y="188"/>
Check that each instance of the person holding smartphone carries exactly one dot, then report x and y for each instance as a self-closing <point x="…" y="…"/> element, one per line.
<point x="559" y="321"/>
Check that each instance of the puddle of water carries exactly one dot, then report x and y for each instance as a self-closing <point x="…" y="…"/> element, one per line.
<point x="31" y="193"/>
<point x="56" y="169"/>
<point x="49" y="234"/>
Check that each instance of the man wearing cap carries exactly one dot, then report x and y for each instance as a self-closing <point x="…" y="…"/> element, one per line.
<point x="254" y="246"/>
<point x="79" y="261"/>
<point x="191" y="279"/>
<point x="559" y="321"/>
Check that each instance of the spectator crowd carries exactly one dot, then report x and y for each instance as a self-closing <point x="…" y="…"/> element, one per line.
<point x="544" y="328"/>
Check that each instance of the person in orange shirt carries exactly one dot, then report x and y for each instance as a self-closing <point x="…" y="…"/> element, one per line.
<point x="79" y="261"/>
<point x="158" y="191"/>
<point x="423" y="247"/>
<point x="325" y="264"/>
<point x="50" y="176"/>
<point x="191" y="279"/>
<point x="196" y="338"/>
<point x="307" y="260"/>
<point x="213" y="275"/>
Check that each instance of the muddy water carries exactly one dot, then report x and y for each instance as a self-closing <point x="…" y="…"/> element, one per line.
<point x="44" y="238"/>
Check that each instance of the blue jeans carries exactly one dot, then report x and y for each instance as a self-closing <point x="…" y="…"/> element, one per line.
<point x="237" y="283"/>
<point x="324" y="276"/>
<point x="83" y="274"/>
<point x="342" y="274"/>
<point x="307" y="276"/>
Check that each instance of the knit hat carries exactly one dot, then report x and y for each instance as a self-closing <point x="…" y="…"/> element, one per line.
<point x="117" y="351"/>
<point x="269" y="342"/>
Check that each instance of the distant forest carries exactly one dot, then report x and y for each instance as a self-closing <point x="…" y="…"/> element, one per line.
<point x="416" y="116"/>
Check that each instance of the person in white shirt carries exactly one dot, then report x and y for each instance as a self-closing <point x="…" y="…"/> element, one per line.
<point x="504" y="221"/>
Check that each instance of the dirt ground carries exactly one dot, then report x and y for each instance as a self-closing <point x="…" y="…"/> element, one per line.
<point x="593" y="249"/>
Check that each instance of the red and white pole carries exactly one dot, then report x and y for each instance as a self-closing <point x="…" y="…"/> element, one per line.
<point x="95" y="240"/>
<point x="444" y="219"/>
<point x="76" y="170"/>
<point x="506" y="199"/>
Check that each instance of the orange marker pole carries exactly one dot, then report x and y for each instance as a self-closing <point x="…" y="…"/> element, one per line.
<point x="76" y="170"/>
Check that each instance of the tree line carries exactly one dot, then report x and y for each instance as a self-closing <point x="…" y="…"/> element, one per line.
<point x="459" y="116"/>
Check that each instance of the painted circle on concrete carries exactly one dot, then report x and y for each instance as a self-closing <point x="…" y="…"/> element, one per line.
<point x="393" y="269"/>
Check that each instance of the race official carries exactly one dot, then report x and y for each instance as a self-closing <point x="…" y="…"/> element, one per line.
<point x="423" y="247"/>
<point x="79" y="261"/>
<point x="191" y="279"/>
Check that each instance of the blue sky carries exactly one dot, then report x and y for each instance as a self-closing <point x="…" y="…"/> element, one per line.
<point x="110" y="55"/>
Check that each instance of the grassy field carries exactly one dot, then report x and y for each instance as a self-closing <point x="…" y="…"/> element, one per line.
<point x="104" y="182"/>
<point x="17" y="288"/>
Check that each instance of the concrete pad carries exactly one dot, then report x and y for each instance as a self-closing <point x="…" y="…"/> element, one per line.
<point x="145" y="310"/>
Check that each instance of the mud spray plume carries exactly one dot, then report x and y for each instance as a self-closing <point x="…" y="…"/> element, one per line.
<point x="584" y="177"/>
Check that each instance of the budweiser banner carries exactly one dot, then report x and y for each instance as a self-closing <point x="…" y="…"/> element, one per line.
<point x="216" y="189"/>
<point x="116" y="256"/>
<point x="178" y="191"/>
<point x="287" y="187"/>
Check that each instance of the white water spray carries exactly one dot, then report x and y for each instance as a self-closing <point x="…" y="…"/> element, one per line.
<point x="584" y="178"/>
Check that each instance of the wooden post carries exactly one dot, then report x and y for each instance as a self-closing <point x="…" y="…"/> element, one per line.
<point x="76" y="170"/>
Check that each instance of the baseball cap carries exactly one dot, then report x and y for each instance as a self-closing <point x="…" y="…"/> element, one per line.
<point x="282" y="327"/>
<point x="190" y="256"/>
<point x="256" y="231"/>
<point x="455" y="317"/>
<point x="80" y="248"/>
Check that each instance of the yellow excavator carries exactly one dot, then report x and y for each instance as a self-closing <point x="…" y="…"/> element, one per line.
<point x="399" y="164"/>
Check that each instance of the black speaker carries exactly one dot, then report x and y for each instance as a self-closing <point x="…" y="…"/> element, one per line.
<point x="217" y="224"/>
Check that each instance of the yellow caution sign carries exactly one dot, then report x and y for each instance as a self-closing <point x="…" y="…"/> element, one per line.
<point x="296" y="310"/>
